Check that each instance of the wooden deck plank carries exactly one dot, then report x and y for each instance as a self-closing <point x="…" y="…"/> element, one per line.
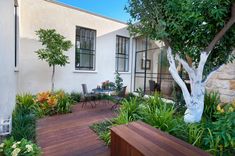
<point x="70" y="135"/>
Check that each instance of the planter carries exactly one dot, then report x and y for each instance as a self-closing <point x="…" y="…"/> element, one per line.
<point x="166" y="88"/>
<point x="5" y="125"/>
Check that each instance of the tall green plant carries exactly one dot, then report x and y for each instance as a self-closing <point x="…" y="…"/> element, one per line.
<point x="118" y="82"/>
<point x="53" y="52"/>
<point x="159" y="114"/>
<point x="24" y="119"/>
<point x="212" y="99"/>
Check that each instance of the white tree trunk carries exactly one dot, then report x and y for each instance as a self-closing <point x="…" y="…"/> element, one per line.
<point x="194" y="100"/>
<point x="53" y="79"/>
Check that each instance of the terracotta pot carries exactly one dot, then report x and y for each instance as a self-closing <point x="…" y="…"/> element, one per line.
<point x="166" y="87"/>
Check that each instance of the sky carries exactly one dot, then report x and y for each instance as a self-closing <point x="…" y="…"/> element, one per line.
<point x="108" y="8"/>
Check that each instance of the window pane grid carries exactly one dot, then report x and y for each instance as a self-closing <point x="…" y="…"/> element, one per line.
<point x="85" y="49"/>
<point x="122" y="54"/>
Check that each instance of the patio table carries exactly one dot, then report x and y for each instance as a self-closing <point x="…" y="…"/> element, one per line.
<point x="103" y="91"/>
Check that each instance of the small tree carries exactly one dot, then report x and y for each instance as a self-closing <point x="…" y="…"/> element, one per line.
<point x="53" y="52"/>
<point x="199" y="34"/>
<point x="118" y="82"/>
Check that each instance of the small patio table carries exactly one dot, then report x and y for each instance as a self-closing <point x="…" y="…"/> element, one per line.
<point x="103" y="91"/>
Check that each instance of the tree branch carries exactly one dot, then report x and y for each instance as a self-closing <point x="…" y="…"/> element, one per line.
<point x="212" y="73"/>
<point x="186" y="66"/>
<point x="201" y="65"/>
<point x="176" y="76"/>
<point x="222" y="32"/>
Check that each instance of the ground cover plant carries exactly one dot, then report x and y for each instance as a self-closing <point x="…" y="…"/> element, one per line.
<point x="23" y="147"/>
<point x="215" y="133"/>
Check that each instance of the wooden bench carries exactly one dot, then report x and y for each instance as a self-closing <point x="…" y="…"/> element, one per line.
<point x="140" y="139"/>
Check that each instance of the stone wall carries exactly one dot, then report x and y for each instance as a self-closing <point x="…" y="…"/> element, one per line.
<point x="224" y="82"/>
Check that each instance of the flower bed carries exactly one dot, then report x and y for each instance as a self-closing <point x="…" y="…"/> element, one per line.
<point x="28" y="109"/>
<point x="215" y="133"/>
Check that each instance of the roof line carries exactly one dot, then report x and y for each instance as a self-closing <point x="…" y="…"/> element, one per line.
<point x="75" y="8"/>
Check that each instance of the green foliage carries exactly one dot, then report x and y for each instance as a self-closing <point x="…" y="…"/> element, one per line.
<point x="103" y="130"/>
<point x="212" y="100"/>
<point x="118" y="82"/>
<point x="10" y="147"/>
<point x="64" y="104"/>
<point x="191" y="31"/>
<point x="195" y="132"/>
<point x="220" y="135"/>
<point x="159" y="114"/>
<point x="55" y="45"/>
<point x="24" y="103"/>
<point x="23" y="118"/>
<point x="131" y="108"/>
<point x="47" y="103"/>
<point x="76" y="96"/>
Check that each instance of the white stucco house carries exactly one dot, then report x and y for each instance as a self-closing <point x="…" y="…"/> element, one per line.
<point x="101" y="46"/>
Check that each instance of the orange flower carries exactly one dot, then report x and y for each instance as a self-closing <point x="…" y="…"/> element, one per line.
<point x="42" y="97"/>
<point x="52" y="101"/>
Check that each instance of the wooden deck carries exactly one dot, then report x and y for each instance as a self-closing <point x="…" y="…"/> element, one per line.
<point x="70" y="135"/>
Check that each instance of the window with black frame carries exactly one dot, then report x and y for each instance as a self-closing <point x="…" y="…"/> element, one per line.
<point x="85" y="49"/>
<point x="122" y="54"/>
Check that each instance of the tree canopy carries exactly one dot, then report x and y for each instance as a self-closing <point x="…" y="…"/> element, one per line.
<point x="55" y="45"/>
<point x="189" y="26"/>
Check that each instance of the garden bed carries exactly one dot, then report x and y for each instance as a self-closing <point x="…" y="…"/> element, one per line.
<point x="28" y="109"/>
<point x="214" y="134"/>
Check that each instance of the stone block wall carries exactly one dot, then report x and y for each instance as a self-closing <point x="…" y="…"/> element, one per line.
<point x="224" y="82"/>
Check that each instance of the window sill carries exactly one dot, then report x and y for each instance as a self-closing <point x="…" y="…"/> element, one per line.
<point x="85" y="71"/>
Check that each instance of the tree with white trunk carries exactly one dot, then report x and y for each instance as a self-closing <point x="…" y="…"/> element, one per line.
<point x="202" y="30"/>
<point x="53" y="51"/>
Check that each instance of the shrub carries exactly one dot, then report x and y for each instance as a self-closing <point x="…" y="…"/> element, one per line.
<point x="131" y="108"/>
<point x="118" y="82"/>
<point x="158" y="113"/>
<point x="220" y="135"/>
<point x="23" y="118"/>
<point x="10" y="147"/>
<point x="64" y="103"/>
<point x="211" y="101"/>
<point x="76" y="97"/>
<point x="47" y="103"/>
<point x="24" y="103"/>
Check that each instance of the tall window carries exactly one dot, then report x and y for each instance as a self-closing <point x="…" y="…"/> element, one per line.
<point x="122" y="54"/>
<point x="85" y="49"/>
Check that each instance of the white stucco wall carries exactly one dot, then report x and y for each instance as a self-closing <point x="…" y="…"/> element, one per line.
<point x="7" y="74"/>
<point x="34" y="74"/>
